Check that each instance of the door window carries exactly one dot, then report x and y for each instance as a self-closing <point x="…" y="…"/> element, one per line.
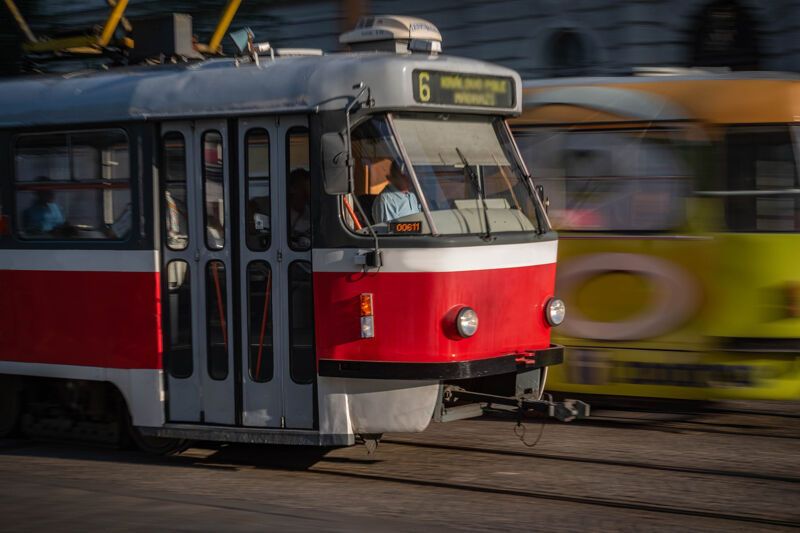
<point x="176" y="217"/>
<point x="216" y="326"/>
<point x="213" y="190"/>
<point x="259" y="321"/>
<point x="177" y="312"/>
<point x="257" y="189"/>
<point x="301" y="323"/>
<point x="298" y="190"/>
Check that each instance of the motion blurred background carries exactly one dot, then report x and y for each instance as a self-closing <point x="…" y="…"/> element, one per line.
<point x="538" y="38"/>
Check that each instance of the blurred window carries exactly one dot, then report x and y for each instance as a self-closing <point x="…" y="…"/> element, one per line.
<point x="567" y="53"/>
<point x="177" y="313"/>
<point x="3" y="216"/>
<point x="257" y="190"/>
<point x="620" y="180"/>
<point x="302" y="361"/>
<point x="213" y="190"/>
<point x="173" y="156"/>
<point x="298" y="190"/>
<point x="216" y="320"/>
<point x="73" y="185"/>
<point x="259" y="321"/>
<point x="761" y="188"/>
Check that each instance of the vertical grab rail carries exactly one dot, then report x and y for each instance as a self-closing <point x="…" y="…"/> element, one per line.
<point x="263" y="324"/>
<point x="219" y="306"/>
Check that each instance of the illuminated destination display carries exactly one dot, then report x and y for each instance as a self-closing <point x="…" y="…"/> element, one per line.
<point x="452" y="88"/>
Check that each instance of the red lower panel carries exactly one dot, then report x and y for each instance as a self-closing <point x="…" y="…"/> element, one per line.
<point x="104" y="319"/>
<point x="414" y="314"/>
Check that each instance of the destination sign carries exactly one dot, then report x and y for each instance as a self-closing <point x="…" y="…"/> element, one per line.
<point x="452" y="88"/>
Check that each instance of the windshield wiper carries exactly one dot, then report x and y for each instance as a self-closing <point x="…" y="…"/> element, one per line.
<point x="473" y="178"/>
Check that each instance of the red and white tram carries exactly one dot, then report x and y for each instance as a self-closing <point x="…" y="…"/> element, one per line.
<point x="298" y="248"/>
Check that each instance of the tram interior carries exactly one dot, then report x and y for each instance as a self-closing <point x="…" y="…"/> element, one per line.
<point x="464" y="176"/>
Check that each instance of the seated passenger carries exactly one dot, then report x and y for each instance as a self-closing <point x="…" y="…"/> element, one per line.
<point x="298" y="197"/>
<point x="396" y="200"/>
<point x="44" y="215"/>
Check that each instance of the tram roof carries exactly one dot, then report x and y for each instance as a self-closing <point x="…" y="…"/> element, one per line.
<point x="217" y="87"/>
<point x="729" y="97"/>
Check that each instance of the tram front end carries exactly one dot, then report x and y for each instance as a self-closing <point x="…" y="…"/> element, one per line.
<point x="434" y="262"/>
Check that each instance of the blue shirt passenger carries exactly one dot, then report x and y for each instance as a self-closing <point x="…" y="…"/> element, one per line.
<point x="396" y="200"/>
<point x="44" y="215"/>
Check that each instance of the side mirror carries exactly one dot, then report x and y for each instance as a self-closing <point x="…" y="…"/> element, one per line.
<point x="334" y="163"/>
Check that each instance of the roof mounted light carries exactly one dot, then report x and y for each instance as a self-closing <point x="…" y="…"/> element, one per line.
<point x="422" y="45"/>
<point x="393" y="33"/>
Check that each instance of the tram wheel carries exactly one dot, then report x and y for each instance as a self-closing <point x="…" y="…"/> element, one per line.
<point x="10" y="406"/>
<point x="157" y="445"/>
<point x="153" y="445"/>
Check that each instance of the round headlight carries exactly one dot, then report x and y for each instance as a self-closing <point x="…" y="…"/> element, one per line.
<point x="467" y="322"/>
<point x="555" y="311"/>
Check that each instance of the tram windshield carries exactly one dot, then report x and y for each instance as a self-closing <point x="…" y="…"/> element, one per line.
<point x="440" y="174"/>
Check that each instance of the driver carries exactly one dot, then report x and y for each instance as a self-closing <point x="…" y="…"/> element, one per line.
<point x="397" y="199"/>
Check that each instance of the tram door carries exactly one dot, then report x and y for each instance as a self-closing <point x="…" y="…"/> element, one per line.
<point x="277" y="326"/>
<point x="197" y="272"/>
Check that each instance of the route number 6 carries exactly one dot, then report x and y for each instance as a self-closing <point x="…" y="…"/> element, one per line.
<point x="424" y="88"/>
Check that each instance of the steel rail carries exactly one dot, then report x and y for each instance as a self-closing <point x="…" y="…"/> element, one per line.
<point x="541" y="495"/>
<point x="604" y="462"/>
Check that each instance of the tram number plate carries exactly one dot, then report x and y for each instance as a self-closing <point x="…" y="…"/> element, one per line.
<point x="405" y="227"/>
<point x="453" y="88"/>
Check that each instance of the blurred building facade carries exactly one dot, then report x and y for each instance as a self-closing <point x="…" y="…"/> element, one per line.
<point x="539" y="38"/>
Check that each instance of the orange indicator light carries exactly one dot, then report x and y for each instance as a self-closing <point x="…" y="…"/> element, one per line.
<point x="366" y="304"/>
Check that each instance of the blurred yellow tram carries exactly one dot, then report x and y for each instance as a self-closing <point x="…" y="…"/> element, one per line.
<point x="678" y="204"/>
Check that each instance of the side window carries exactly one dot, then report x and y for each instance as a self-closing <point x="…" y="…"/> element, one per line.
<point x="177" y="311"/>
<point x="213" y="190"/>
<point x="298" y="190"/>
<point x="176" y="219"/>
<point x="608" y="180"/>
<point x="3" y="216"/>
<point x="216" y="325"/>
<point x="259" y="321"/>
<point x="257" y="189"/>
<point x="73" y="186"/>
<point x="301" y="323"/>
<point x="761" y="180"/>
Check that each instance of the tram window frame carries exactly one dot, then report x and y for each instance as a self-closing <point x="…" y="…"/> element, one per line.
<point x="676" y="187"/>
<point x="448" y="189"/>
<point x="217" y="304"/>
<point x="219" y="239"/>
<point x="260" y="327"/>
<point x="5" y="226"/>
<point x="298" y="161"/>
<point x="179" y="361"/>
<point x="745" y="210"/>
<point x="71" y="220"/>
<point x="257" y="241"/>
<point x="302" y="366"/>
<point x="173" y="224"/>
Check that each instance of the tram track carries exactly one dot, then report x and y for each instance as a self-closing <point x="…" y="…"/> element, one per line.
<point x="350" y="468"/>
<point x="596" y="461"/>
<point x="692" y="421"/>
<point x="555" y="496"/>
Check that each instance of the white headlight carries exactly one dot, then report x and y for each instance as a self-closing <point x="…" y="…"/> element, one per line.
<point x="467" y="322"/>
<point x="555" y="311"/>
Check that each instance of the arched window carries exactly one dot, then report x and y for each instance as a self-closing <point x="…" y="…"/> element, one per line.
<point x="725" y="36"/>
<point x="567" y="53"/>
